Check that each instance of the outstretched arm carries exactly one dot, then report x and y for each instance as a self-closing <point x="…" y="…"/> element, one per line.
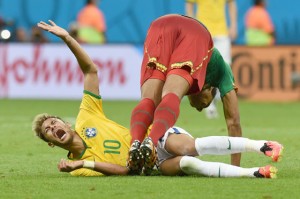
<point x="102" y="167"/>
<point x="89" y="69"/>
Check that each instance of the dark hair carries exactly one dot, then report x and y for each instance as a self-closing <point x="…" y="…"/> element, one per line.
<point x="258" y="2"/>
<point x="88" y="2"/>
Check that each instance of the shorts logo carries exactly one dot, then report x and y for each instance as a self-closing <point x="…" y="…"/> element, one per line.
<point x="229" y="145"/>
<point x="91" y="132"/>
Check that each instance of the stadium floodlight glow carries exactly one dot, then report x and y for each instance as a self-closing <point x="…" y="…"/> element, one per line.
<point x="5" y="34"/>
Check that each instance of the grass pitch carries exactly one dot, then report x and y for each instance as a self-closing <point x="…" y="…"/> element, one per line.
<point x="28" y="165"/>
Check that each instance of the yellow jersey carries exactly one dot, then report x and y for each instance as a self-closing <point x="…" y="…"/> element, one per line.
<point x="104" y="140"/>
<point x="212" y="13"/>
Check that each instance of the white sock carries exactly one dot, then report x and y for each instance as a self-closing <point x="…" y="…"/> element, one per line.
<point x="221" y="145"/>
<point x="255" y="145"/>
<point x="194" y="166"/>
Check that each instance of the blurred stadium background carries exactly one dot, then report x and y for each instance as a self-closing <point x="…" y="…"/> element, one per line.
<point x="28" y="70"/>
<point x="128" y="20"/>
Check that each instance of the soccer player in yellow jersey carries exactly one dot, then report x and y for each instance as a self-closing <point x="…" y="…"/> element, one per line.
<point x="98" y="146"/>
<point x="100" y="142"/>
<point x="212" y="13"/>
<point x="104" y="140"/>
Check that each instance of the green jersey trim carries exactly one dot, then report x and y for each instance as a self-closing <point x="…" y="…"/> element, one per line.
<point x="92" y="94"/>
<point x="81" y="154"/>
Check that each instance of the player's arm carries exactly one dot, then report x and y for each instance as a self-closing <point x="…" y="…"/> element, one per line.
<point x="89" y="69"/>
<point x="232" y="9"/>
<point x="102" y="167"/>
<point x="232" y="118"/>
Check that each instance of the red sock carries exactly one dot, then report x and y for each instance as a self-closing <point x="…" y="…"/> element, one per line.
<point x="165" y="116"/>
<point x="141" y="118"/>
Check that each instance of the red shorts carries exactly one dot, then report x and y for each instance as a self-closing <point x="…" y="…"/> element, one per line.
<point x="177" y="42"/>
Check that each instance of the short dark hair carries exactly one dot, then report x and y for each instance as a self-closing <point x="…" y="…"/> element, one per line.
<point x="258" y="2"/>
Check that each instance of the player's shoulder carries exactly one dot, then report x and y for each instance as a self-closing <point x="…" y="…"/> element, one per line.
<point x="91" y="99"/>
<point x="216" y="57"/>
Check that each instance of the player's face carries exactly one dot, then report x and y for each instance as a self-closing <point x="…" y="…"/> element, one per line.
<point x="206" y="96"/>
<point x="57" y="132"/>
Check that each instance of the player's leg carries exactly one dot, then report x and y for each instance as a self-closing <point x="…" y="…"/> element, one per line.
<point x="171" y="167"/>
<point x="221" y="145"/>
<point x="141" y="119"/>
<point x="152" y="78"/>
<point x="165" y="115"/>
<point x="176" y="141"/>
<point x="142" y="114"/>
<point x="194" y="166"/>
<point x="180" y="144"/>
<point x="185" y="63"/>
<point x="167" y="111"/>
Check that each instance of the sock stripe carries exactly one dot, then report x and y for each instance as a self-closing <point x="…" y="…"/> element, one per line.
<point x="143" y="112"/>
<point x="164" y="122"/>
<point x="141" y="119"/>
<point x="165" y="116"/>
<point x="169" y="110"/>
<point x="139" y="123"/>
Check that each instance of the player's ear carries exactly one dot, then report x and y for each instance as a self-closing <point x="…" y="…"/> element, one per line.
<point x="51" y="144"/>
<point x="214" y="91"/>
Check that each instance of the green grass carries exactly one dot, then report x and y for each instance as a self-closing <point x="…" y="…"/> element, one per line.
<point x="28" y="165"/>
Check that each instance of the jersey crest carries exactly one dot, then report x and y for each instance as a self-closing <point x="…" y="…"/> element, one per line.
<point x="90" y="132"/>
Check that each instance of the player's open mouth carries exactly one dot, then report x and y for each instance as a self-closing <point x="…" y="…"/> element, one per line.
<point x="61" y="134"/>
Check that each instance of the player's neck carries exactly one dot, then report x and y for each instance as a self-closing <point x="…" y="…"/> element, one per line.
<point x="77" y="146"/>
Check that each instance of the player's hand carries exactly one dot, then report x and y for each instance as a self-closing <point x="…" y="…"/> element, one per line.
<point x="53" y="28"/>
<point x="68" y="166"/>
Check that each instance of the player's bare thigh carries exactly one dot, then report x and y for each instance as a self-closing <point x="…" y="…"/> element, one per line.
<point x="177" y="85"/>
<point x="171" y="167"/>
<point x="152" y="88"/>
<point x="180" y="145"/>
